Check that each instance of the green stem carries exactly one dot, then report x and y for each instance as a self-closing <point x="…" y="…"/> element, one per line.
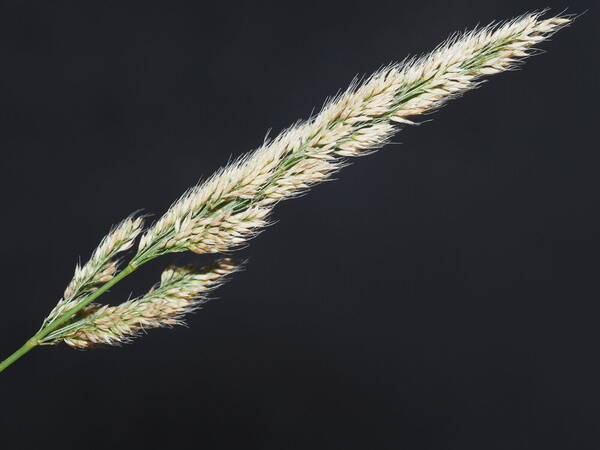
<point x="60" y="320"/>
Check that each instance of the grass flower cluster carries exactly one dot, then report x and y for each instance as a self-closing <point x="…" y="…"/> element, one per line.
<point x="235" y="203"/>
<point x="181" y="290"/>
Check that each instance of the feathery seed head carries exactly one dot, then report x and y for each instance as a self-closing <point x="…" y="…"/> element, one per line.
<point x="181" y="290"/>
<point x="222" y="212"/>
<point x="234" y="204"/>
<point x="101" y="267"/>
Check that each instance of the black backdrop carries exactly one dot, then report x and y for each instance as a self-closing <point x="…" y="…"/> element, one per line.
<point x="441" y="294"/>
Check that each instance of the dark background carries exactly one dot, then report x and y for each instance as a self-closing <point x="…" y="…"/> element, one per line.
<point x="442" y="294"/>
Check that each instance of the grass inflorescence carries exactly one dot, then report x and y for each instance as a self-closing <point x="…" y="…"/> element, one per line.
<point x="234" y="204"/>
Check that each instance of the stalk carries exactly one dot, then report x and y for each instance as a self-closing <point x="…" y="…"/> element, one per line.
<point x="34" y="341"/>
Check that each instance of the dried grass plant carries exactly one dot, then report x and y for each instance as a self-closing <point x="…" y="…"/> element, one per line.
<point x="235" y="203"/>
